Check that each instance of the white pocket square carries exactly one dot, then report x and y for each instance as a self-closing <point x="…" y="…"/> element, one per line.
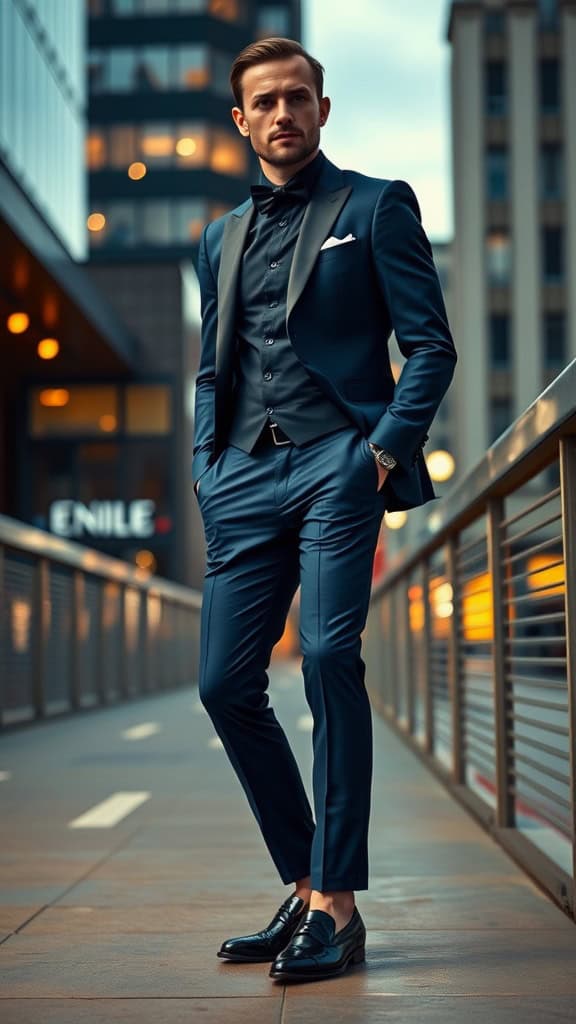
<point x="332" y="241"/>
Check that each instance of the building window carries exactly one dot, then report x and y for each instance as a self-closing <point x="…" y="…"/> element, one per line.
<point x="73" y="410"/>
<point x="157" y="223"/>
<point x="121" y="145"/>
<point x="494" y="22"/>
<point x="501" y="416"/>
<point x="96" y="152"/>
<point x="97" y="64"/>
<point x="497" y="172"/>
<point x="551" y="171"/>
<point x="191" y="216"/>
<point x="227" y="10"/>
<point x="229" y="153"/>
<point x="548" y="13"/>
<point x="496" y="88"/>
<point x="191" y="145"/>
<point x="148" y="409"/>
<point x="549" y="85"/>
<point x="156" y="144"/>
<point x="555" y="357"/>
<point x="499" y="327"/>
<point x="273" y="20"/>
<point x="152" y="69"/>
<point x="122" y="64"/>
<point x="193" y="67"/>
<point x="498" y="257"/>
<point x="553" y="254"/>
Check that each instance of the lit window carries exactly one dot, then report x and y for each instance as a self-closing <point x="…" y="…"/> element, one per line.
<point x="191" y="145"/>
<point x="73" y="410"/>
<point x="148" y="409"/>
<point x="497" y="172"/>
<point x="499" y="257"/>
<point x="156" y="143"/>
<point x="121" y="145"/>
<point x="229" y="154"/>
<point x="96" y="156"/>
<point x="193" y="70"/>
<point x="227" y="10"/>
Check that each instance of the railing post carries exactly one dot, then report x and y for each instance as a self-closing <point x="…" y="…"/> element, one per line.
<point x="503" y="705"/>
<point x="4" y="626"/>
<point x="40" y="625"/>
<point x="568" y="498"/>
<point x="76" y="613"/>
<point x="428" y="704"/>
<point x="454" y="687"/>
<point x="101" y="682"/>
<point x="410" y="717"/>
<point x="123" y="652"/>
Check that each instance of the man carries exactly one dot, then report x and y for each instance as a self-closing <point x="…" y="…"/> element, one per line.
<point x="302" y="441"/>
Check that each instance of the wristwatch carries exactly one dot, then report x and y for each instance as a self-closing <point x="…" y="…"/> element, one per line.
<point x="382" y="456"/>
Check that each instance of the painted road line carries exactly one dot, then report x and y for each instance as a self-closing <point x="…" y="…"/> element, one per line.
<point x="4" y="776"/>
<point x="305" y="723"/>
<point x="216" y="743"/>
<point x="111" y="811"/>
<point x="141" y="732"/>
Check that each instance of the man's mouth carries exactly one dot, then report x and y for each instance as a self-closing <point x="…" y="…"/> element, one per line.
<point x="286" y="135"/>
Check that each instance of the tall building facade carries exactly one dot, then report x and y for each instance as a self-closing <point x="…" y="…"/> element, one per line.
<point x="163" y="154"/>
<point x="513" y="95"/>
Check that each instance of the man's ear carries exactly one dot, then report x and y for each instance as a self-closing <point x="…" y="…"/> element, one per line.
<point x="324" y="109"/>
<point x="240" y="121"/>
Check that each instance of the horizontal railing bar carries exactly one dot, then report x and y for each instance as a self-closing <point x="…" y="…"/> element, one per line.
<point x="546" y="813"/>
<point x="539" y="659"/>
<point x="478" y="736"/>
<point x="479" y="562"/>
<point x="550" y="773"/>
<point x="546" y="748"/>
<point x="530" y="619"/>
<point x="532" y="641"/>
<point x="511" y="538"/>
<point x="557" y="730"/>
<point x="533" y="549"/>
<point x="539" y="788"/>
<point x="543" y="500"/>
<point x="469" y="544"/>
<point x="533" y="572"/>
<point x="535" y="595"/>
<point x="533" y="702"/>
<point x="537" y="684"/>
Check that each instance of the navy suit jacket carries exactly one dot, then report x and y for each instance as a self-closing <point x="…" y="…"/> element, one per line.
<point x="342" y="305"/>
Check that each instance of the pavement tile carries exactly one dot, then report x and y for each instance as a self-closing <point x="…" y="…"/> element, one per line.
<point x="264" y="1010"/>
<point x="393" y="1009"/>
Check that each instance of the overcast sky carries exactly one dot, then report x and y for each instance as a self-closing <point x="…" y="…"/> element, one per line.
<point x="387" y="74"/>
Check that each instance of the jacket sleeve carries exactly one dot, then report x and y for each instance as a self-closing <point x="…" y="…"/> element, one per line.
<point x="411" y="289"/>
<point x="204" y="393"/>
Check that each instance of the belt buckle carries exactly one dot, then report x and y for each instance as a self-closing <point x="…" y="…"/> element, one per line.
<point x="279" y="444"/>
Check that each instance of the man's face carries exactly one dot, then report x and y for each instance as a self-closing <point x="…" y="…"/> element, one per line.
<point x="281" y="113"/>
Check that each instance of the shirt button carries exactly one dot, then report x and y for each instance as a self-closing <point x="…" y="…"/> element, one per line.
<point x="282" y="223"/>
<point x="267" y="375"/>
<point x="269" y="410"/>
<point x="268" y="341"/>
<point x="273" y="304"/>
<point x="274" y="264"/>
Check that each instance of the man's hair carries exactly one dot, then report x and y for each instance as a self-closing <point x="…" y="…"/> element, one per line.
<point x="274" y="48"/>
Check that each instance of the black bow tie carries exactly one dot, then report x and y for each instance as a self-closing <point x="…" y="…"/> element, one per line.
<point x="267" y="199"/>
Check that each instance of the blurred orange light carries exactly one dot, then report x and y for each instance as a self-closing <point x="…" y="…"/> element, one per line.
<point x="48" y="348"/>
<point x="546" y="572"/>
<point x="137" y="170"/>
<point x="156" y="145"/>
<point x="18" y="323"/>
<point x="108" y="423"/>
<point x="145" y="560"/>
<point x="96" y="221"/>
<point x="54" y="397"/>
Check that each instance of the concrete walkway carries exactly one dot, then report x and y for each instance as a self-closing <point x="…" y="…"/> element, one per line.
<point x="122" y="923"/>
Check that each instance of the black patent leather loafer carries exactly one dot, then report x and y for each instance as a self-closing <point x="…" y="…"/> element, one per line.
<point x="264" y="946"/>
<point x="317" y="951"/>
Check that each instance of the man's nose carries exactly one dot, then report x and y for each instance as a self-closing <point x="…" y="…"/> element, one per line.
<point x="283" y="114"/>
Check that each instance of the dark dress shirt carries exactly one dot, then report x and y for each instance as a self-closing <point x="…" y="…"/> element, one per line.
<point x="271" y="384"/>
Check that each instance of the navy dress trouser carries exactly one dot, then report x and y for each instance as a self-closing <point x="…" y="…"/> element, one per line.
<point x="276" y="518"/>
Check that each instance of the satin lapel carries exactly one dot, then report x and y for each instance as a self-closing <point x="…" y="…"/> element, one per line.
<point x="322" y="211"/>
<point x="232" y="247"/>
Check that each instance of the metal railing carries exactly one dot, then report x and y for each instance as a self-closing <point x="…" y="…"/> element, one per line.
<point x="470" y="644"/>
<point x="79" y="629"/>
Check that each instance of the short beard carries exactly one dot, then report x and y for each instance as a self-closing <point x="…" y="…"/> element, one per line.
<point x="308" y="147"/>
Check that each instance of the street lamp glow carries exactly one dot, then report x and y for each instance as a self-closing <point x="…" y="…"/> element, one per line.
<point x="441" y="465"/>
<point x="48" y="348"/>
<point x="17" y="323"/>
<point x="137" y="170"/>
<point x="96" y="221"/>
<point x="395" y="520"/>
